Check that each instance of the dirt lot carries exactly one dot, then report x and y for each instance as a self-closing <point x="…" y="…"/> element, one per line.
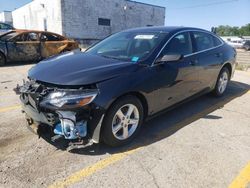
<point x="203" y="143"/>
<point x="243" y="59"/>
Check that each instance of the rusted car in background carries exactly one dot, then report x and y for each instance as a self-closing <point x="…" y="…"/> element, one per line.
<point x="25" y="45"/>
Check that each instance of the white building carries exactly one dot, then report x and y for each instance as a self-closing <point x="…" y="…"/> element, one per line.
<point x="87" y="20"/>
<point x="6" y="17"/>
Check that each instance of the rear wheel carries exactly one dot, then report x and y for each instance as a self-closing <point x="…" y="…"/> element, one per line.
<point x="122" y="121"/>
<point x="2" y="59"/>
<point x="222" y="82"/>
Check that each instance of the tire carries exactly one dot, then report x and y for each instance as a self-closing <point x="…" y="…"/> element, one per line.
<point x="247" y="48"/>
<point x="117" y="127"/>
<point x="2" y="59"/>
<point x="222" y="82"/>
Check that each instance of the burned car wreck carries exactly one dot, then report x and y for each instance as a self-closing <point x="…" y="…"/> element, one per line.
<point x="30" y="45"/>
<point x="105" y="93"/>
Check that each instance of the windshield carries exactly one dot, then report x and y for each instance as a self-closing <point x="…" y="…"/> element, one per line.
<point x="128" y="46"/>
<point x="8" y="36"/>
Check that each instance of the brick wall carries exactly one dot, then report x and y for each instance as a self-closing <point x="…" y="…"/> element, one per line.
<point x="80" y="17"/>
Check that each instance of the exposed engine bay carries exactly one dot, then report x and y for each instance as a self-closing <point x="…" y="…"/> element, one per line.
<point x="65" y="112"/>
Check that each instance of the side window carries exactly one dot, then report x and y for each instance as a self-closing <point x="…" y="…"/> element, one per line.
<point x="180" y="44"/>
<point x="21" y="38"/>
<point x="205" y="41"/>
<point x="51" y="37"/>
<point x="217" y="42"/>
<point x="32" y="37"/>
<point x="44" y="38"/>
<point x="27" y="37"/>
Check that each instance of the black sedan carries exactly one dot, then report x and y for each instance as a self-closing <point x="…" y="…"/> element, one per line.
<point x="105" y="93"/>
<point x="246" y="45"/>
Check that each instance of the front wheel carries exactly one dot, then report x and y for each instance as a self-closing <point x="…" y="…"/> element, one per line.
<point x="222" y="82"/>
<point x="122" y="121"/>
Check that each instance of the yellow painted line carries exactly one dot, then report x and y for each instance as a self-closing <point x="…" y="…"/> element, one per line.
<point x="5" y="109"/>
<point x="243" y="179"/>
<point x="78" y="176"/>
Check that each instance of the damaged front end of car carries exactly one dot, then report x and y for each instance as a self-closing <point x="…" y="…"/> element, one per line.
<point x="68" y="113"/>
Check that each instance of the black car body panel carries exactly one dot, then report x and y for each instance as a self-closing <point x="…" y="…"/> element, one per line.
<point x="157" y="85"/>
<point x="3" y="48"/>
<point x="71" y="67"/>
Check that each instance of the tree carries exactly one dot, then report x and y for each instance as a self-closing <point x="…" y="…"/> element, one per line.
<point x="245" y="30"/>
<point x="226" y="30"/>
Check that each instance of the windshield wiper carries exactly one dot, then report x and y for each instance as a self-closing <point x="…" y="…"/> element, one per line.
<point x="111" y="57"/>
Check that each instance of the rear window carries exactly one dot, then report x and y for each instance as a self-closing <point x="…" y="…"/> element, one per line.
<point x="204" y="41"/>
<point x="217" y="42"/>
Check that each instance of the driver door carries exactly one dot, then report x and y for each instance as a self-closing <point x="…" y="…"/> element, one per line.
<point x="176" y="80"/>
<point x="24" y="47"/>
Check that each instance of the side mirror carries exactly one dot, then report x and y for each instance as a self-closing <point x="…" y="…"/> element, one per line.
<point x="166" y="58"/>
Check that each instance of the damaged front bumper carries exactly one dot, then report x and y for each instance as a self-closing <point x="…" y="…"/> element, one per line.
<point x="67" y="113"/>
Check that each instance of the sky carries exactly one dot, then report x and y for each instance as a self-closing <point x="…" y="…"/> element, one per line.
<point x="194" y="13"/>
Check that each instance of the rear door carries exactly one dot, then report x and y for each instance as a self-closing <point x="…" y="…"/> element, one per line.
<point x="179" y="79"/>
<point x="210" y="57"/>
<point x="52" y="44"/>
<point x="24" y="47"/>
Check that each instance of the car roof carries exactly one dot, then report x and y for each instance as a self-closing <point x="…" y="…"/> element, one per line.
<point x="21" y="31"/>
<point x="28" y="31"/>
<point x="167" y="29"/>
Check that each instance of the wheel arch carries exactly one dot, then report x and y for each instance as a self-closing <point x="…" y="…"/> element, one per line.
<point x="229" y="67"/>
<point x="139" y="96"/>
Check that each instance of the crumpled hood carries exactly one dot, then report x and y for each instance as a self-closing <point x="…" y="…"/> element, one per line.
<point x="78" y="68"/>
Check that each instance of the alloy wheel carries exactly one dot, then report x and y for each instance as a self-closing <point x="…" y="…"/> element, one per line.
<point x="223" y="81"/>
<point x="125" y="122"/>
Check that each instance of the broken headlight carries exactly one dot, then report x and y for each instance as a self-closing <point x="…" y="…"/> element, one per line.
<point x="69" y="99"/>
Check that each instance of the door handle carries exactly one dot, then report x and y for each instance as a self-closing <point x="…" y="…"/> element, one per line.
<point x="193" y="62"/>
<point x="218" y="54"/>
